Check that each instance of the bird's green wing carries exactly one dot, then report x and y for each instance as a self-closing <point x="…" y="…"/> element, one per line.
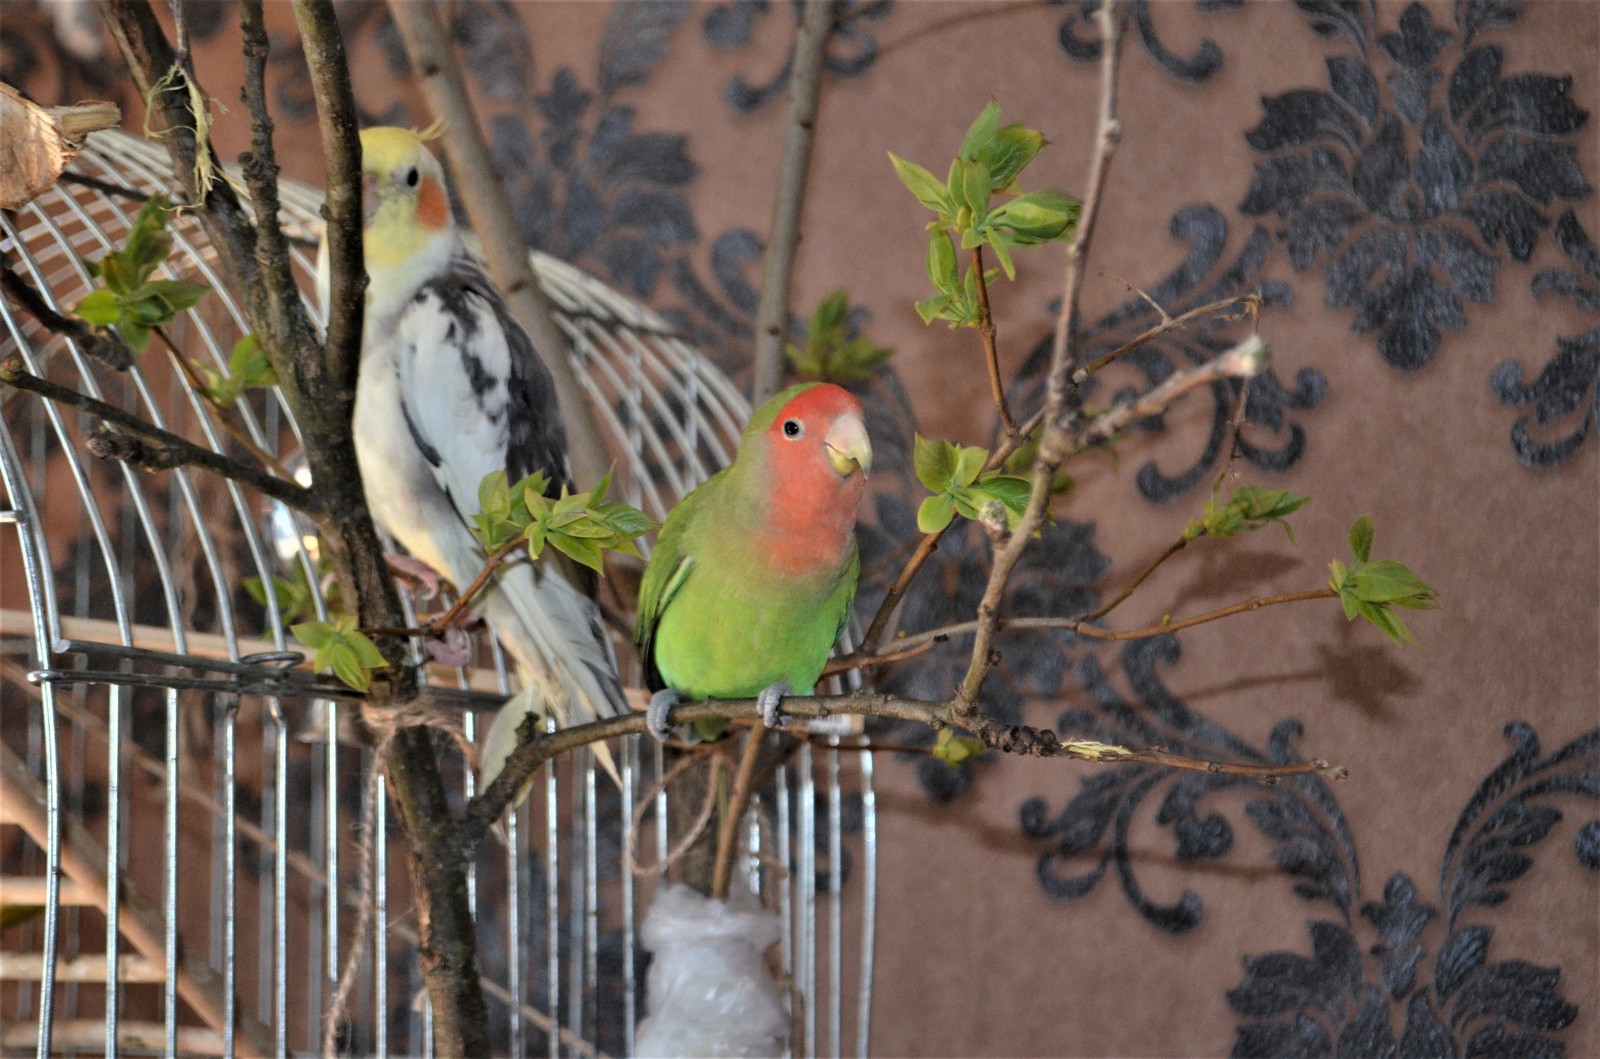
<point x="668" y="569"/>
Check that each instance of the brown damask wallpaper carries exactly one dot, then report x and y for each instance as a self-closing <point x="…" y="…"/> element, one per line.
<point x="1410" y="188"/>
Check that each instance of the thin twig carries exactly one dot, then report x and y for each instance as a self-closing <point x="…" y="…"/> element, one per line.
<point x="1168" y="323"/>
<point x="991" y="353"/>
<point x="783" y="236"/>
<point x="238" y="433"/>
<point x="733" y="813"/>
<point x="170" y="450"/>
<point x="988" y="10"/>
<point x="489" y="209"/>
<point x="443" y="621"/>
<point x="916" y="643"/>
<point x="103" y="346"/>
<point x="1138" y="579"/>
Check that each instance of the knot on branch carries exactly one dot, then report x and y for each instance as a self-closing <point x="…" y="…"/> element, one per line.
<point x="1020" y="739"/>
<point x="109" y="444"/>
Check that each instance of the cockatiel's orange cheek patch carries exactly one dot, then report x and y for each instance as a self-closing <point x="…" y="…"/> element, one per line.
<point x="433" y="206"/>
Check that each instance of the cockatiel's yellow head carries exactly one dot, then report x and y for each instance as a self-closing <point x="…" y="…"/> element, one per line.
<point x="402" y="188"/>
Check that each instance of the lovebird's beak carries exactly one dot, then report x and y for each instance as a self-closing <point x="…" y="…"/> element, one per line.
<point x="847" y="445"/>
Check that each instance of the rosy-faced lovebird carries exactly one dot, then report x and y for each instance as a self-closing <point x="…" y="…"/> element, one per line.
<point x="755" y="570"/>
<point x="450" y="389"/>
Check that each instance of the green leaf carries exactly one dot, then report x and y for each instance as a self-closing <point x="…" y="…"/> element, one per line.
<point x="347" y="667"/>
<point x="1002" y="251"/>
<point x="581" y="549"/>
<point x="981" y="134"/>
<point x="953" y="749"/>
<point x="494" y="495"/>
<point x="1390" y="581"/>
<point x="830" y="313"/>
<point x="936" y="512"/>
<point x="1011" y="490"/>
<point x="1013" y="148"/>
<point x="366" y="652"/>
<point x="935" y="461"/>
<point x="99" y="308"/>
<point x="923" y="184"/>
<point x="1038" y="216"/>
<point x="969" y="461"/>
<point x="314" y="634"/>
<point x="976" y="189"/>
<point x="114" y="273"/>
<point x="1361" y="538"/>
<point x="176" y="293"/>
<point x="941" y="263"/>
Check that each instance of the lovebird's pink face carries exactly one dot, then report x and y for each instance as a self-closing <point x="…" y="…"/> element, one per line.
<point x="817" y="459"/>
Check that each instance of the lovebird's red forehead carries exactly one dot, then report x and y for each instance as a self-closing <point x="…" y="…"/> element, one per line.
<point x="822" y="403"/>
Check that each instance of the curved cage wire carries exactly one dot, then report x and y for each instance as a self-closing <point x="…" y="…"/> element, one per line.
<point x="165" y="767"/>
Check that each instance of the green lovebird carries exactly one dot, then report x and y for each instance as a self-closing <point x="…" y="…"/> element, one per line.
<point x="755" y="570"/>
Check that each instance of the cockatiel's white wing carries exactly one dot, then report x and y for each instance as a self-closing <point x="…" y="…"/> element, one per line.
<point x="474" y="398"/>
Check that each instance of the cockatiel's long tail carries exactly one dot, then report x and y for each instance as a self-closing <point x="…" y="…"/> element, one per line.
<point x="450" y="390"/>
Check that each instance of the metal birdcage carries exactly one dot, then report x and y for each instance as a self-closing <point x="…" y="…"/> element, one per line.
<point x="155" y="772"/>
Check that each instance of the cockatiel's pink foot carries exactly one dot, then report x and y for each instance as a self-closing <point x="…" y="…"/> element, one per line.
<point x="423" y="579"/>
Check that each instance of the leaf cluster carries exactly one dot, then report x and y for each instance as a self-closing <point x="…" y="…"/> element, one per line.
<point x="1373" y="589"/>
<point x="581" y="526"/>
<point x="129" y="299"/>
<point x="343" y="648"/>
<point x="1250" y="508"/>
<point x="955" y="476"/>
<point x="953" y="749"/>
<point x="830" y="352"/>
<point x="989" y="162"/>
<point x="248" y="369"/>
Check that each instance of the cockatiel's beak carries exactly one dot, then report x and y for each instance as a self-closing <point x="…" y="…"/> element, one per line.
<point x="847" y="445"/>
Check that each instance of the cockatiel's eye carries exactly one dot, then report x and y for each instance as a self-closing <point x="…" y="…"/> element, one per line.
<point x="412" y="176"/>
<point x="793" y="428"/>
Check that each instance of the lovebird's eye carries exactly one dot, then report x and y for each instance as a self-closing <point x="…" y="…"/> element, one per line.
<point x="792" y="428"/>
<point x="412" y="176"/>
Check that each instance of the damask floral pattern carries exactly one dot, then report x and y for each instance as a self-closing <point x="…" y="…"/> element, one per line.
<point x="1405" y="189"/>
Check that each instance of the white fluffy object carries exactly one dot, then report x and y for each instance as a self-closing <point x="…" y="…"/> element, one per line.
<point x="709" y="990"/>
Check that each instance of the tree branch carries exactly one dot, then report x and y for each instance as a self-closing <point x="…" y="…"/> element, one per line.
<point x="103" y="346"/>
<point x="536" y="746"/>
<point x="1054" y="444"/>
<point x="490" y="213"/>
<point x="153" y="448"/>
<point x="991" y="352"/>
<point x="341" y="147"/>
<point x="805" y="88"/>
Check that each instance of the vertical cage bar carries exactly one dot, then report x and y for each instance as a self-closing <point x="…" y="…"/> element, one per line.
<point x="114" y="707"/>
<point x="785" y="888"/>
<point x="230" y="948"/>
<point x="869" y="900"/>
<point x="630" y="999"/>
<point x="835" y="901"/>
<point x="514" y="926"/>
<point x="552" y="925"/>
<point x="806" y="971"/>
<point x="380" y="916"/>
<point x="169" y="904"/>
<point x="330" y="838"/>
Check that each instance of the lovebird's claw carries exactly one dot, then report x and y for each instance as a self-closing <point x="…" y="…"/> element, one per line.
<point x="658" y="717"/>
<point x="769" y="700"/>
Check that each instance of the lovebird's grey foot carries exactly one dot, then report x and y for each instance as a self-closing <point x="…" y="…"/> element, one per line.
<point x="658" y="716"/>
<point x="769" y="700"/>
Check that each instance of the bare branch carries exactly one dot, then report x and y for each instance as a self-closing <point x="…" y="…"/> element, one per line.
<point x="991" y="353"/>
<point x="149" y="446"/>
<point x="341" y="209"/>
<point x="1251" y="302"/>
<point x="490" y="212"/>
<point x="805" y="88"/>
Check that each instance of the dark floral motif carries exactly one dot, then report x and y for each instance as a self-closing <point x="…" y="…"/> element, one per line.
<point x="1569" y="385"/>
<point x="1326" y="1003"/>
<point x="1052" y="579"/>
<point x="1203" y="277"/>
<point x="1405" y="189"/>
<point x="850" y="48"/>
<point x="1190" y="69"/>
<point x="1089" y="836"/>
<point x="592" y="189"/>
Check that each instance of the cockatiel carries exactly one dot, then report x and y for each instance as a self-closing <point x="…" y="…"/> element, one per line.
<point x="754" y="572"/>
<point x="449" y="390"/>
